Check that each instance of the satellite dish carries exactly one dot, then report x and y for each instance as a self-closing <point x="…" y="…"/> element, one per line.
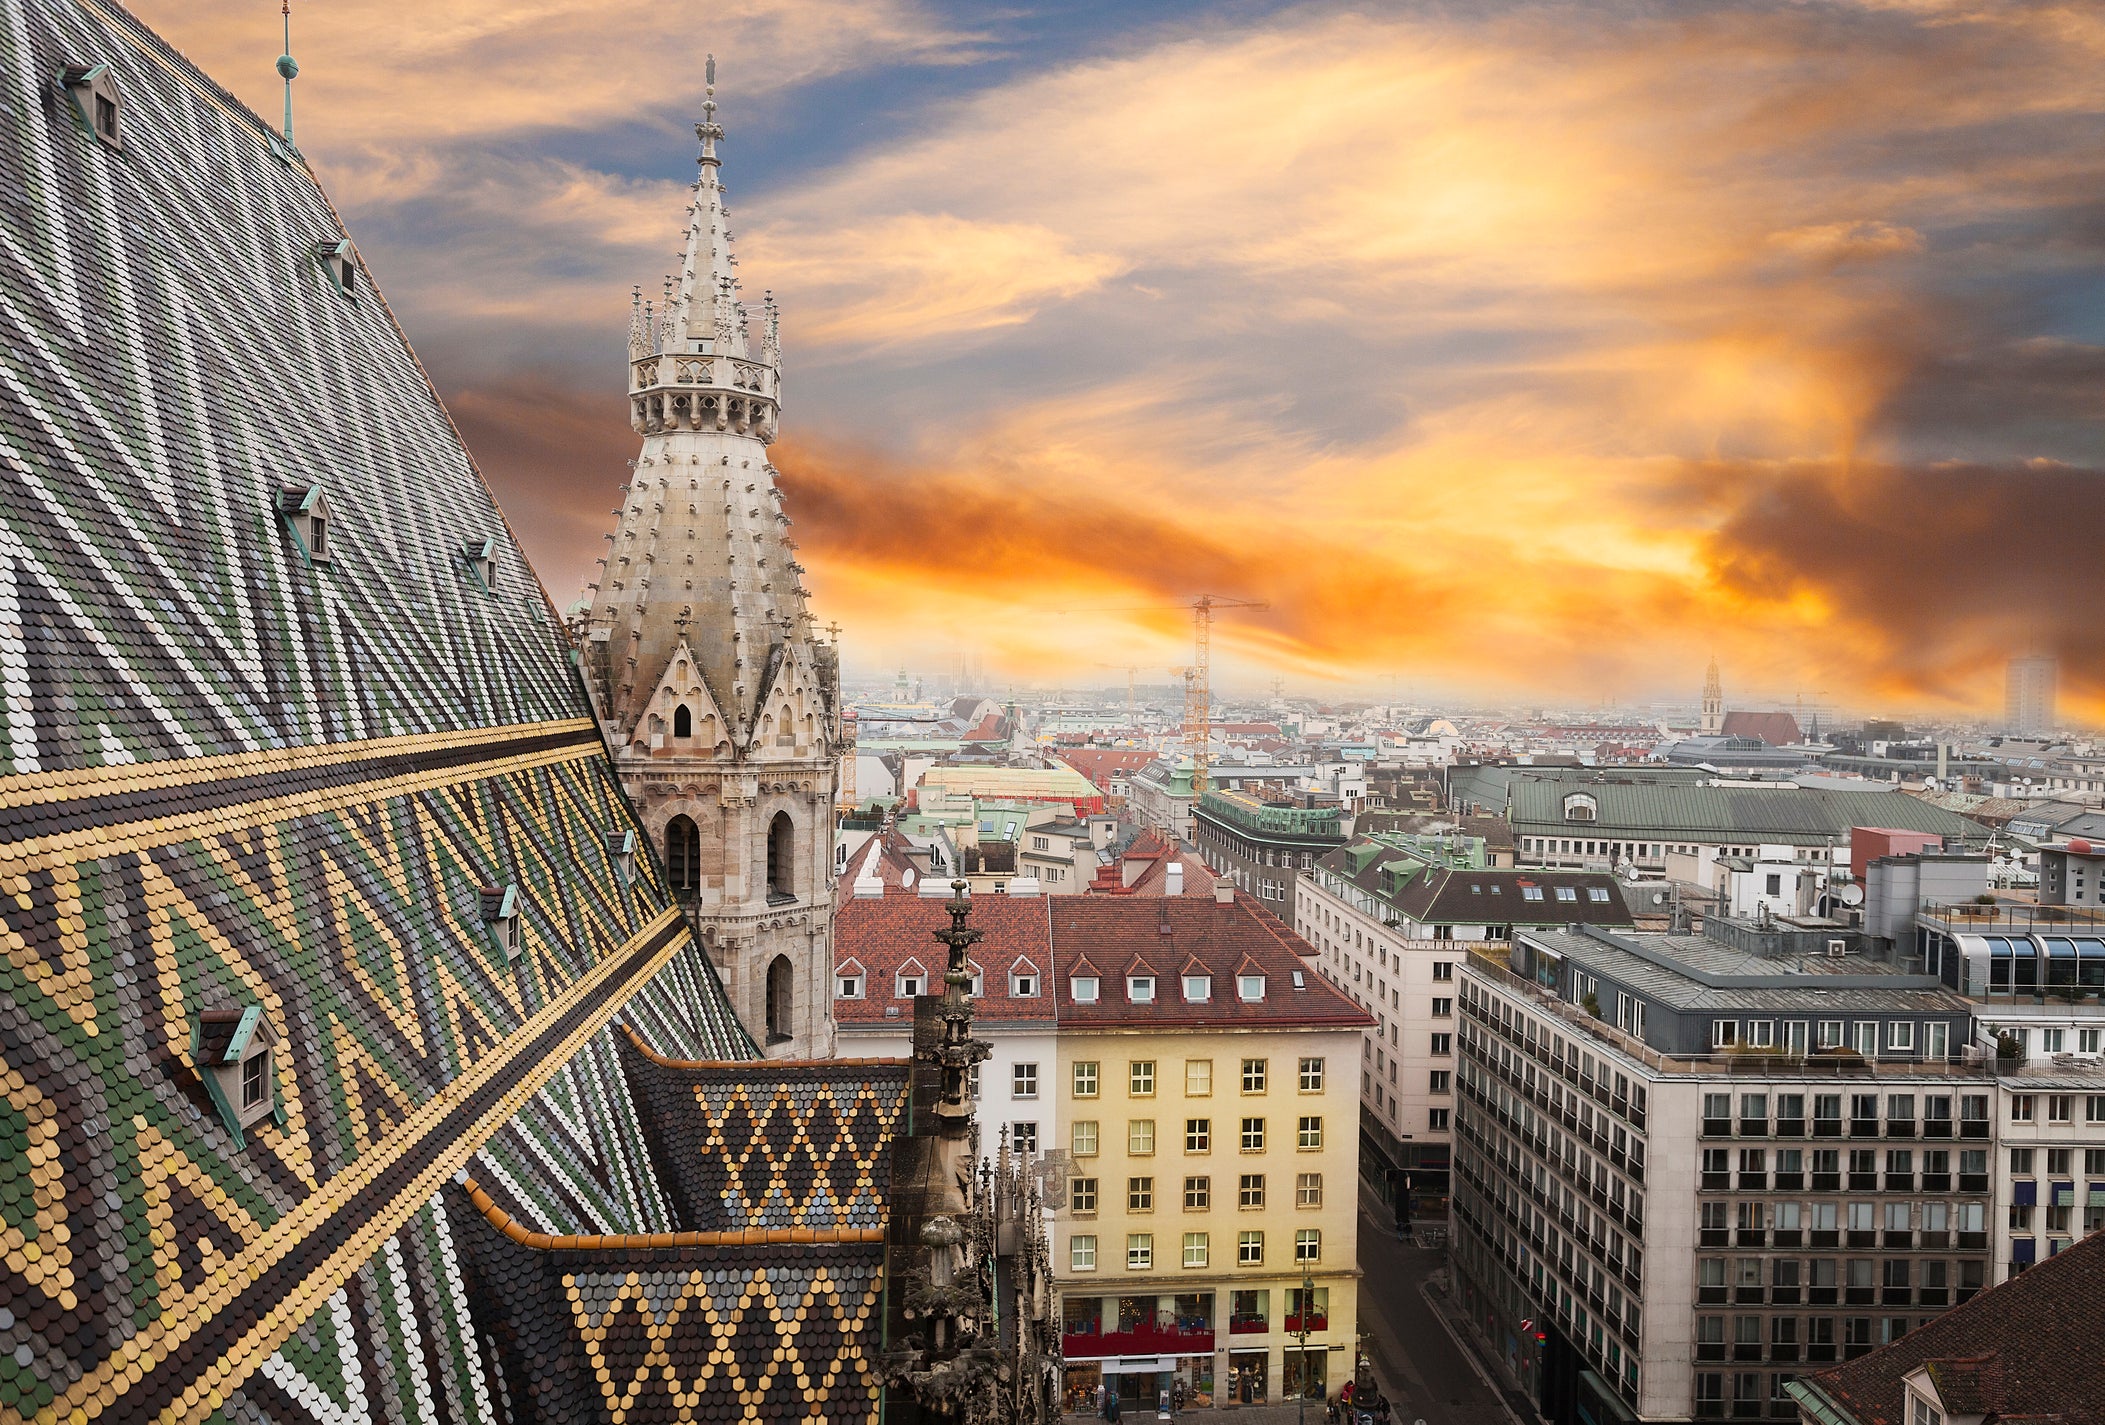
<point x="1852" y="895"/>
<point x="1659" y="898"/>
<point x="1629" y="872"/>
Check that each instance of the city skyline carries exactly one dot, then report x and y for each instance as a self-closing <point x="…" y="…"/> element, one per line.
<point x="1542" y="358"/>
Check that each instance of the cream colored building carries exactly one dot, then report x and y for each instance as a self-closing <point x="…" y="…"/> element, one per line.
<point x="1209" y="1096"/>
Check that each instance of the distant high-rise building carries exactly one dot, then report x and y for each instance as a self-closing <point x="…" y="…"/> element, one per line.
<point x="2028" y="695"/>
<point x="1713" y="701"/>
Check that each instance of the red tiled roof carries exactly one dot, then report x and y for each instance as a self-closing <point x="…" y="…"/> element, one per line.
<point x="1778" y="729"/>
<point x="1101" y="764"/>
<point x="2017" y="1352"/>
<point x="882" y="933"/>
<point x="1112" y="930"/>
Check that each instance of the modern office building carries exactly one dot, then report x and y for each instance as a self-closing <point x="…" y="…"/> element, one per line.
<point x="1207" y="1086"/>
<point x="1688" y="1166"/>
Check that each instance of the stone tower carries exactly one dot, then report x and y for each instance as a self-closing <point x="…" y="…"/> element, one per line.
<point x="720" y="701"/>
<point x="1713" y="701"/>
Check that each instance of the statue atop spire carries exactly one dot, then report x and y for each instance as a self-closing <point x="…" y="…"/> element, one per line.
<point x="708" y="130"/>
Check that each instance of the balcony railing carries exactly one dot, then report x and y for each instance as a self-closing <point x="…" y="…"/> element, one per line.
<point x="1138" y="1340"/>
<point x="1248" y="1325"/>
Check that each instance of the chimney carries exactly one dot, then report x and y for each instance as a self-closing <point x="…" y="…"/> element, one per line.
<point x="1173" y="879"/>
<point x="1223" y="893"/>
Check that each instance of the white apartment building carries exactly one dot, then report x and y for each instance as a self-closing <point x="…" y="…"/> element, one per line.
<point x="1385" y="913"/>
<point x="885" y="954"/>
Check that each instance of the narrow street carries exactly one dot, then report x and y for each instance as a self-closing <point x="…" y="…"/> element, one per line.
<point x="1417" y="1361"/>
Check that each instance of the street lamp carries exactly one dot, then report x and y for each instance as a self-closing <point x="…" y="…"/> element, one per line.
<point x="1308" y="1299"/>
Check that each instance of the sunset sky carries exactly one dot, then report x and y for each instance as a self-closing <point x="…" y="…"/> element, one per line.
<point x="1516" y="350"/>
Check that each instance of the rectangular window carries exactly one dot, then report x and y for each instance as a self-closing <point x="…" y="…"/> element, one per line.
<point x="1081" y="1194"/>
<point x="1195" y="1249"/>
<point x="1308" y="1245"/>
<point x="1025" y="1137"/>
<point x="1249" y="988"/>
<point x="1311" y="1132"/>
<point x="1443" y="1045"/>
<point x="1443" y="969"/>
<point x="1253" y="1076"/>
<point x="1198" y="989"/>
<point x="1436" y="1119"/>
<point x="1442" y="1008"/>
<point x="1250" y="1194"/>
<point x="1140" y="1194"/>
<point x="1085" y="1138"/>
<point x="1253" y="1135"/>
<point x="1900" y="1034"/>
<point x="1140" y="1078"/>
<point x="1081" y="1253"/>
<point x="1198" y="1194"/>
<point x="1140" y="1136"/>
<point x="1438" y="1080"/>
<point x="1198" y="1135"/>
<point x="1085" y="1080"/>
<point x="1023" y="1081"/>
<point x="1140" y="1251"/>
<point x="1249" y="1249"/>
<point x="1083" y="988"/>
<point x="1311" y="1076"/>
<point x="1198" y="1078"/>
<point x="1308" y="1190"/>
<point x="1140" y="989"/>
<point x="255" y="1079"/>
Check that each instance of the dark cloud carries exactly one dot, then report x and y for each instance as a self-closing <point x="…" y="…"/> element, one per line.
<point x="1934" y="573"/>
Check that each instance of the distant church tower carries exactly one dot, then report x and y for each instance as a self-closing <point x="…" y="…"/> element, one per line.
<point x="1713" y="701"/>
<point x="720" y="701"/>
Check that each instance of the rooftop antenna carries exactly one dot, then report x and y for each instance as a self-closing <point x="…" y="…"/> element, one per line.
<point x="288" y="66"/>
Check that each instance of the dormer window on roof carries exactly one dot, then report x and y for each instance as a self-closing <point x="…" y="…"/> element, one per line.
<point x="91" y="93"/>
<point x="480" y="555"/>
<point x="339" y="260"/>
<point x="1531" y="893"/>
<point x="1084" y="988"/>
<point x="304" y="509"/>
<point x="1023" y="980"/>
<point x="1249" y="988"/>
<point x="232" y="1050"/>
<point x="1198" y="989"/>
<point x="1140" y="989"/>
<point x="911" y="980"/>
<point x="849" y="980"/>
<point x="621" y="852"/>
<point x="500" y="912"/>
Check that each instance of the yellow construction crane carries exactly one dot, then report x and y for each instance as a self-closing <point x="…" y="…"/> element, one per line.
<point x="1198" y="679"/>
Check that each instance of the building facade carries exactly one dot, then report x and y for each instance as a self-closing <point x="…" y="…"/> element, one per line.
<point x="1209" y="1235"/>
<point x="721" y="702"/>
<point x="1667" y="1207"/>
<point x="2029" y="689"/>
<point x="1390" y="916"/>
<point x="1264" y="842"/>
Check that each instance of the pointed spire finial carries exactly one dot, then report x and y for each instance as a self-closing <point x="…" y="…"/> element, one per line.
<point x="288" y="66"/>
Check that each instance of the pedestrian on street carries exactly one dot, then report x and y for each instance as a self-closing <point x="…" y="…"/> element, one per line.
<point x="1111" y="1406"/>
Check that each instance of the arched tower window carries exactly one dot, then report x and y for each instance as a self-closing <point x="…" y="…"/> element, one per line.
<point x="682" y="721"/>
<point x="780" y="991"/>
<point x="683" y="853"/>
<point x="781" y="858"/>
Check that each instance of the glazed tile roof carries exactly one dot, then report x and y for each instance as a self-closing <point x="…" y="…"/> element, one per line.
<point x="2004" y="1356"/>
<point x="880" y="934"/>
<point x="235" y="779"/>
<point x="805" y="1146"/>
<point x="1172" y="935"/>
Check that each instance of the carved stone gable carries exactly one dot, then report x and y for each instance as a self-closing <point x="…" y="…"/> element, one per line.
<point x="681" y="717"/>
